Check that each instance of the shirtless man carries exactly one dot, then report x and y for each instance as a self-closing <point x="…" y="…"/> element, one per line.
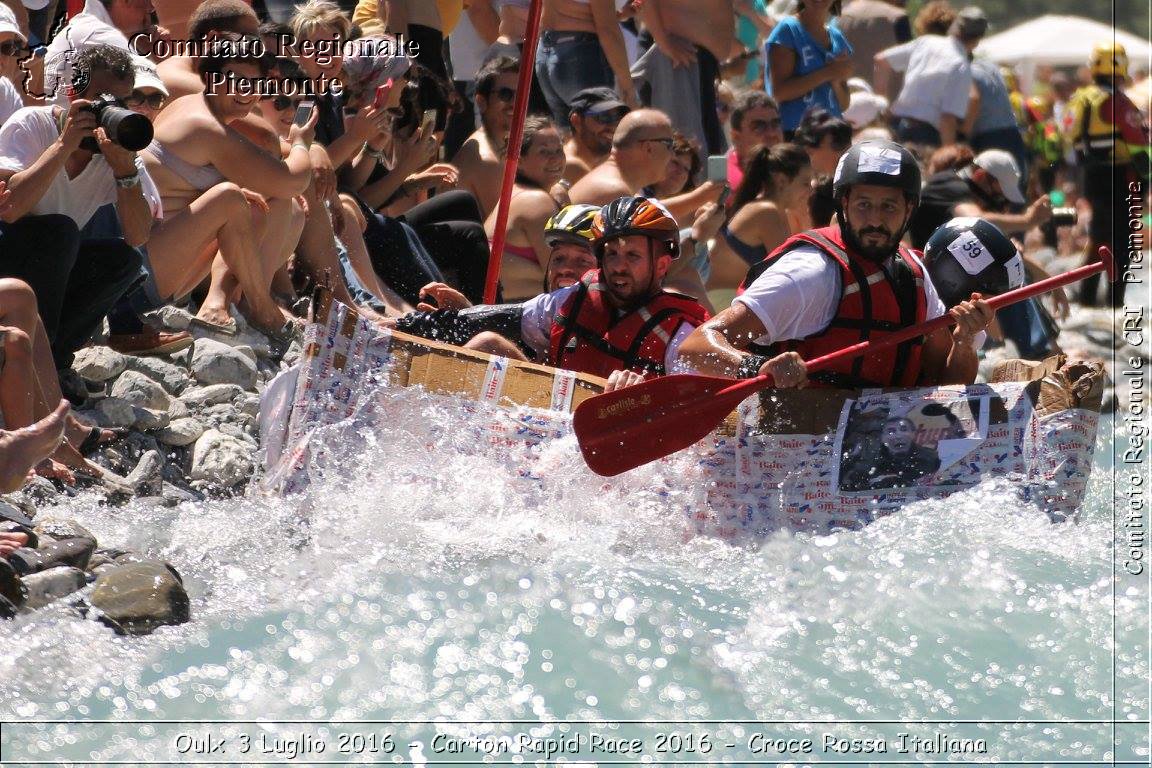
<point x="481" y="159"/>
<point x="695" y="30"/>
<point x="595" y="114"/>
<point x="214" y="16"/>
<point x="641" y="149"/>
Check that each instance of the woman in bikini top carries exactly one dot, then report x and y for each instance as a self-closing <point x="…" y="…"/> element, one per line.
<point x="776" y="179"/>
<point x="525" y="253"/>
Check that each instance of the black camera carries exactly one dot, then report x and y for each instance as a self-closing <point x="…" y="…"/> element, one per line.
<point x="1064" y="216"/>
<point x="129" y="129"/>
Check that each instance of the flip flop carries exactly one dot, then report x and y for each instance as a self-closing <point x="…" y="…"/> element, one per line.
<point x="92" y="442"/>
<point x="229" y="328"/>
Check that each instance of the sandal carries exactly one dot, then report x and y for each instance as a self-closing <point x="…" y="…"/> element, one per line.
<point x="229" y="328"/>
<point x="93" y="440"/>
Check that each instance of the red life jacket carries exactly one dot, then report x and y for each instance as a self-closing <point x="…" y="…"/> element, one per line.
<point x="589" y="336"/>
<point x="875" y="299"/>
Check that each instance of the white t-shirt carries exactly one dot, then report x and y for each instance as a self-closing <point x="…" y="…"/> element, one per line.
<point x="536" y="327"/>
<point x="798" y="295"/>
<point x="30" y="131"/>
<point x="10" y="100"/>
<point x="937" y="78"/>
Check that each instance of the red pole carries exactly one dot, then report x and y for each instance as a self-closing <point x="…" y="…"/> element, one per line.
<point x="512" y="156"/>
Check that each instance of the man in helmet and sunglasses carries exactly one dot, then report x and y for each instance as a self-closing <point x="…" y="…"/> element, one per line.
<point x="617" y="321"/>
<point x="1110" y="140"/>
<point x="825" y="289"/>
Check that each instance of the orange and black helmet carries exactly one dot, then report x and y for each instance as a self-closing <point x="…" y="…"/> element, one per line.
<point x="636" y="216"/>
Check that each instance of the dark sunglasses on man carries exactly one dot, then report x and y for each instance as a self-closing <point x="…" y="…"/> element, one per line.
<point x="610" y="117"/>
<point x="138" y="98"/>
<point x="282" y="102"/>
<point x="13" y="48"/>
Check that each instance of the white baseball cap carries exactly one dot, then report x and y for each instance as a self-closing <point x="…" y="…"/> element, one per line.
<point x="146" y="76"/>
<point x="8" y="21"/>
<point x="1003" y="168"/>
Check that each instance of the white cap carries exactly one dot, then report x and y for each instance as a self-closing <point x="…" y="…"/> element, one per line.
<point x="35" y="5"/>
<point x="1003" y="168"/>
<point x="8" y="21"/>
<point x="146" y="76"/>
<point x="864" y="107"/>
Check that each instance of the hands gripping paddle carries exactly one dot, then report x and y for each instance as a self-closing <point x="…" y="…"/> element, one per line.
<point x="621" y="430"/>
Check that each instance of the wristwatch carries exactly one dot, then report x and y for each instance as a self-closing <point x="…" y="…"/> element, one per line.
<point x="127" y="182"/>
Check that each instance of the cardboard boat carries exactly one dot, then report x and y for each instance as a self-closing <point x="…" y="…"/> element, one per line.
<point x="813" y="459"/>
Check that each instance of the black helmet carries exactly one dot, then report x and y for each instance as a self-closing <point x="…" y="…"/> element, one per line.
<point x="970" y="255"/>
<point x="879" y="163"/>
<point x="636" y="216"/>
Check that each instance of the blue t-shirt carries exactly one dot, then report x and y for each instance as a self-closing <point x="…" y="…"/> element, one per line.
<point x="810" y="56"/>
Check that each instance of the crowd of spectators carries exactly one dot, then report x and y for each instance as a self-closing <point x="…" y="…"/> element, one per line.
<point x="238" y="199"/>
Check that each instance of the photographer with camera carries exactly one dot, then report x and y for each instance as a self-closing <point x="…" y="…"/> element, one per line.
<point x="61" y="165"/>
<point x="989" y="188"/>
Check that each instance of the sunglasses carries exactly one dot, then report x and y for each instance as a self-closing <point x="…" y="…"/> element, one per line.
<point x="505" y="93"/>
<point x="137" y="99"/>
<point x="611" y="117"/>
<point x="281" y="102"/>
<point x="668" y="142"/>
<point x="759" y="126"/>
<point x="12" y="48"/>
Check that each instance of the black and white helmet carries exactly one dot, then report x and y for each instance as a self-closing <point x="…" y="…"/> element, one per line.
<point x="970" y="255"/>
<point x="878" y="163"/>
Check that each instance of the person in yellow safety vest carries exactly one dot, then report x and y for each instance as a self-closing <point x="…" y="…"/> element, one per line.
<point x="1015" y="96"/>
<point x="1110" y="139"/>
<point x="1043" y="139"/>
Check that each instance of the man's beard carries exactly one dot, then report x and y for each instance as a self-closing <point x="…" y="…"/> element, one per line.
<point x="876" y="252"/>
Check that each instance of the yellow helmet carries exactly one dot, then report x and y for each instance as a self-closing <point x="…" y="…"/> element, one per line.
<point x="1109" y="60"/>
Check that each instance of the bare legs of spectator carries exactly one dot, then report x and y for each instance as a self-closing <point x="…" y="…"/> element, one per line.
<point x="352" y="235"/>
<point x="278" y="231"/>
<point x="179" y="252"/>
<point x="28" y="360"/>
<point x="22" y="449"/>
<point x="318" y="256"/>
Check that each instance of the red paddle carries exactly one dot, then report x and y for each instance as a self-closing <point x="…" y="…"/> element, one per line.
<point x="621" y="430"/>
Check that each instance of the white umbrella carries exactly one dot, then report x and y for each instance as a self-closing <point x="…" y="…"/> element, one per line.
<point x="1059" y="41"/>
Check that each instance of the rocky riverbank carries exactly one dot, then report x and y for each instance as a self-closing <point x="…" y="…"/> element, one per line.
<point x="190" y="434"/>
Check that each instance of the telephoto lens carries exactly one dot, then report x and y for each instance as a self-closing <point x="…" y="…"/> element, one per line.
<point x="129" y="129"/>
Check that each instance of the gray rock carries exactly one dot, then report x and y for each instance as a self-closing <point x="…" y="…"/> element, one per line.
<point x="99" y="363"/>
<point x="148" y="420"/>
<point x="172" y="377"/>
<point x="250" y="405"/>
<point x="137" y="597"/>
<point x="216" y="363"/>
<point x="52" y="584"/>
<point x="221" y="459"/>
<point x="247" y="351"/>
<point x="146" y="479"/>
<point x="215" y="394"/>
<point x="171" y="317"/>
<point x="179" y="410"/>
<point x="61" y="528"/>
<point x="116" y="412"/>
<point x="181" y="432"/>
<point x="138" y="389"/>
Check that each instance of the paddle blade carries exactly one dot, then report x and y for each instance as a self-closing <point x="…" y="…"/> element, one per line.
<point x="621" y="430"/>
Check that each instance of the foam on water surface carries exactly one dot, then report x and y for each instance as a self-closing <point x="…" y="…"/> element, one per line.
<point x="421" y="577"/>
